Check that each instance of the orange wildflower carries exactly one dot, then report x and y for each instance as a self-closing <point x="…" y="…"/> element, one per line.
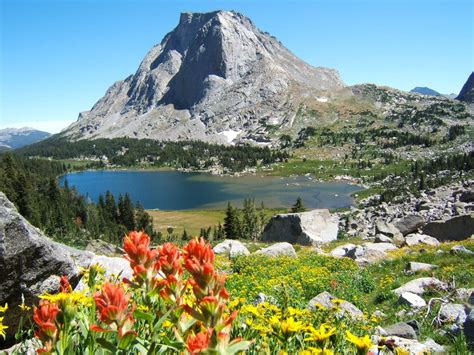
<point x="45" y="317"/>
<point x="113" y="308"/>
<point x="198" y="343"/>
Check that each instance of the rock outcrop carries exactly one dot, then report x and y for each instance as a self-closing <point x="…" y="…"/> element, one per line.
<point x="456" y="228"/>
<point x="306" y="228"/>
<point x="210" y="76"/>
<point x="31" y="263"/>
<point x="467" y="92"/>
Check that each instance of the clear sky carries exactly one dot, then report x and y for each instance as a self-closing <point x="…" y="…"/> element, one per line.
<point x="58" y="57"/>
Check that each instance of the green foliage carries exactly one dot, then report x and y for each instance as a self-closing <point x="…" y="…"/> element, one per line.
<point x="247" y="223"/>
<point x="132" y="152"/>
<point x="62" y="212"/>
<point x="298" y="206"/>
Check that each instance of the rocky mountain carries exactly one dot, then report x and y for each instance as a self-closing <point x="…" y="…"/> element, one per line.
<point x="425" y="91"/>
<point x="12" y="138"/>
<point x="467" y="91"/>
<point x="215" y="77"/>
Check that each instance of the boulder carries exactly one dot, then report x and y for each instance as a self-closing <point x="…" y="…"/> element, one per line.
<point x="465" y="295"/>
<point x="461" y="249"/>
<point x="401" y="330"/>
<point x="231" y="248"/>
<point x="469" y="328"/>
<point x="456" y="228"/>
<point x="343" y="250"/>
<point x="420" y="285"/>
<point x="100" y="247"/>
<point x="433" y="347"/>
<point x="328" y="301"/>
<point x="380" y="238"/>
<point x="415" y="239"/>
<point x="30" y="262"/>
<point x="388" y="229"/>
<point x="379" y="246"/>
<point x="114" y="267"/>
<point x="467" y="196"/>
<point x="278" y="249"/>
<point x="409" y="224"/>
<point x="412" y="300"/>
<point x="413" y="267"/>
<point x="366" y="253"/>
<point x="306" y="228"/>
<point x="453" y="313"/>
<point x="411" y="346"/>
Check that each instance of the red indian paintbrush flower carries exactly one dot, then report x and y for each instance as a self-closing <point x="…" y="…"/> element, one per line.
<point x="199" y="261"/>
<point x="139" y="254"/>
<point x="64" y="285"/>
<point x="198" y="343"/>
<point x="113" y="308"/>
<point x="169" y="259"/>
<point x="45" y="317"/>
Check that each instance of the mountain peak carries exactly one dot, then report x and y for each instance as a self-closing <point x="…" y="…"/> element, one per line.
<point x="467" y="92"/>
<point x="213" y="73"/>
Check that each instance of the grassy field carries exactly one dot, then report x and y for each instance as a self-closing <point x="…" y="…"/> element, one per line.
<point x="192" y="220"/>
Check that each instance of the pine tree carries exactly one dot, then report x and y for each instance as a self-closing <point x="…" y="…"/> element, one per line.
<point x="298" y="206"/>
<point x="231" y="223"/>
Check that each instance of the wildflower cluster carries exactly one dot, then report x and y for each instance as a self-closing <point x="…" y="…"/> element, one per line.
<point x="161" y="308"/>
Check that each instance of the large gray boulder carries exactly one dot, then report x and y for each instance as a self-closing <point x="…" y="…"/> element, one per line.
<point x="278" y="249"/>
<point x="328" y="301"/>
<point x="412" y="300"/>
<point x="416" y="238"/>
<point x="31" y="263"/>
<point x="421" y="285"/>
<point x="456" y="228"/>
<point x="409" y="224"/>
<point x="231" y="248"/>
<point x="306" y="228"/>
<point x="453" y="313"/>
<point x="400" y="329"/>
<point x="389" y="230"/>
<point x="343" y="250"/>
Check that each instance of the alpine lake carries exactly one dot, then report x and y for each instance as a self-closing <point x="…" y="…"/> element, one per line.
<point x="175" y="190"/>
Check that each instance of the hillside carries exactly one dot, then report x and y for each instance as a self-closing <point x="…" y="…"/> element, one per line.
<point x="13" y="138"/>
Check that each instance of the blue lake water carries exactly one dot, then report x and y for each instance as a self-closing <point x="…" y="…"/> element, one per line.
<point x="174" y="190"/>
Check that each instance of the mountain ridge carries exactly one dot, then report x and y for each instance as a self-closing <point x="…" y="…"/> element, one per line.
<point x="12" y="138"/>
<point x="210" y="76"/>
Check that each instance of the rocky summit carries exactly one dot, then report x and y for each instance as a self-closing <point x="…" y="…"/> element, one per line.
<point x="215" y="77"/>
<point x="467" y="92"/>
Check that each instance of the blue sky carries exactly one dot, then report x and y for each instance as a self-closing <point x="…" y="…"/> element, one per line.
<point x="58" y="57"/>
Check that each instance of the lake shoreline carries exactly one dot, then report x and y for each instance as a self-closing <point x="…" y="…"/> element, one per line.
<point x="172" y="189"/>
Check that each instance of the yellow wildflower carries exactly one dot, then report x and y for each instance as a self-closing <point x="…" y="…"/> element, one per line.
<point x="401" y="351"/>
<point x="4" y="308"/>
<point x="2" y="328"/>
<point x="337" y="301"/>
<point x="290" y="326"/>
<point x="143" y="308"/>
<point x="167" y="324"/>
<point x="362" y="343"/>
<point x="67" y="299"/>
<point x="320" y="335"/>
<point x="316" y="351"/>
<point x="24" y="307"/>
